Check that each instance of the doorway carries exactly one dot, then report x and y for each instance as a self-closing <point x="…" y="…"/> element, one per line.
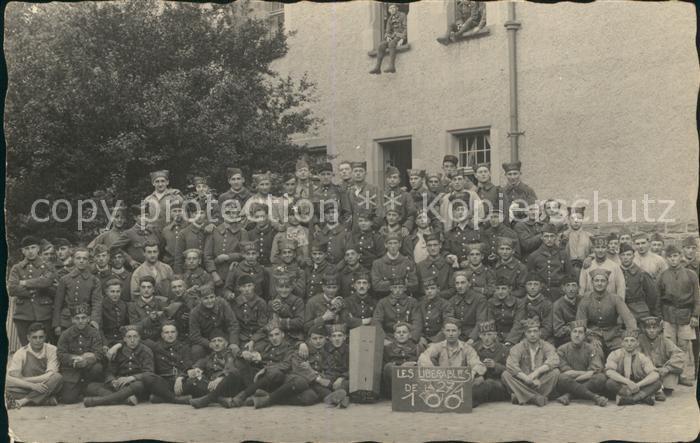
<point x="397" y="153"/>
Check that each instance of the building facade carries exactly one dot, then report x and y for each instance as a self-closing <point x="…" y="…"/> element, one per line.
<point x="606" y="97"/>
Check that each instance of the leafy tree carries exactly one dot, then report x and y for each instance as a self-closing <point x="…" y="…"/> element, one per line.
<point x="100" y="94"/>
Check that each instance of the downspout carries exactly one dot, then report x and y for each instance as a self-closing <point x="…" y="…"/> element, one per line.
<point x="514" y="133"/>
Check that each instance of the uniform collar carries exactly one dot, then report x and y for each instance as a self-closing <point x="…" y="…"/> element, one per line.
<point x="84" y="273"/>
<point x="233" y="228"/>
<point x="509" y="301"/>
<point x="241" y="300"/>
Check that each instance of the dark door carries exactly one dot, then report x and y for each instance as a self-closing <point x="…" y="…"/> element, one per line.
<point x="399" y="154"/>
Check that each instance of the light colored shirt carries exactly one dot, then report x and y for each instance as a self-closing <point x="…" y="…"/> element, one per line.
<point x="636" y="364"/>
<point x="652" y="263"/>
<point x="439" y="354"/>
<point x="20" y="356"/>
<point x="579" y="244"/>
<point x="616" y="279"/>
<point x="160" y="271"/>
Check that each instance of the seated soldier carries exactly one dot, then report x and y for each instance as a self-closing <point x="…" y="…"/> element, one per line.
<point x="564" y="310"/>
<point x="182" y="303"/>
<point x="32" y="375"/>
<point x="581" y="367"/>
<point x="401" y="351"/>
<point x="481" y="279"/>
<point x="130" y="376"/>
<point x="393" y="266"/>
<point x="469" y="308"/>
<point x="114" y="312"/>
<point x="218" y="377"/>
<point x="666" y="356"/>
<point x="326" y="308"/>
<point x="493" y="355"/>
<point x="336" y="357"/>
<point x="250" y="311"/>
<point x="434" y="310"/>
<point x="148" y="312"/>
<point x="347" y="269"/>
<point x="503" y="307"/>
<point x="316" y="269"/>
<point x="81" y="356"/>
<point x="452" y="352"/>
<point x="198" y="281"/>
<point x="532" y="367"/>
<point x="398" y="306"/>
<point x="533" y="305"/>
<point x="287" y="309"/>
<point x="435" y="265"/>
<point x="117" y="259"/>
<point x="368" y="242"/>
<point x="601" y="310"/>
<point x="510" y="267"/>
<point x="361" y="304"/>
<point x="632" y="377"/>
<point x="248" y="267"/>
<point x="212" y="314"/>
<point x="287" y="266"/>
<point x="310" y="363"/>
<point x="172" y="359"/>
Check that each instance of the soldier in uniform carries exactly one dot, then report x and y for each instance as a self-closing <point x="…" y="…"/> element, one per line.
<point x="64" y="256"/>
<point x="690" y="254"/>
<point x="148" y="312"/>
<point x="172" y="235"/>
<point x="210" y="315"/>
<point x="469" y="307"/>
<point x="576" y="240"/>
<point x="601" y="310"/>
<point x="393" y="266"/>
<point x="250" y="311"/>
<point x="368" y="242"/>
<point x="287" y="266"/>
<point x="461" y="193"/>
<point x="347" y="269"/>
<point x="361" y="303"/>
<point x="435" y="266"/>
<point x="100" y="268"/>
<point x="238" y="194"/>
<point x="397" y="198"/>
<point x="645" y="259"/>
<point x="327" y="192"/>
<point x="509" y="267"/>
<point x="198" y="282"/>
<point x="641" y="295"/>
<point x="433" y="181"/>
<point x="263" y="233"/>
<point x="461" y="234"/>
<point x="114" y="312"/>
<point x="398" y="306"/>
<point x="80" y="353"/>
<point x="222" y="247"/>
<point x="423" y="197"/>
<point x="529" y="231"/>
<point x="363" y="196"/>
<point x="481" y="278"/>
<point x="493" y="355"/>
<point x="400" y="351"/>
<point x="345" y="173"/>
<point x="326" y="307"/>
<point x="334" y="234"/>
<point x="304" y="188"/>
<point x="78" y="287"/>
<point x="503" y="307"/>
<point x="117" y="258"/>
<point x="249" y="266"/>
<point x="533" y="305"/>
<point x="657" y="244"/>
<point x="172" y="360"/>
<point x="581" y="367"/>
<point x="616" y="279"/>
<point x="490" y="195"/>
<point x="203" y="199"/>
<point x="133" y="239"/>
<point x="30" y="282"/>
<point x="632" y="377"/>
<point x="413" y="245"/>
<point x="318" y="267"/>
<point x="452" y="352"/>
<point x="106" y="238"/>
<point x="515" y="191"/>
<point x="550" y="262"/>
<point x="497" y="229"/>
<point x="153" y="267"/>
<point x="564" y="310"/>
<point x="218" y="376"/>
<point x="262" y="196"/>
<point x="394" y="36"/>
<point x="191" y="236"/>
<point x="162" y="199"/>
<point x="668" y="358"/>
<point x="471" y="16"/>
<point x="287" y="309"/>
<point x="434" y="311"/>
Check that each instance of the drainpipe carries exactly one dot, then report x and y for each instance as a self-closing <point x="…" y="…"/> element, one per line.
<point x="514" y="133"/>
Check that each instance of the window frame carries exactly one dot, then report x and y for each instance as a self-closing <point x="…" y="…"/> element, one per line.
<point x="275" y="13"/>
<point x="377" y="22"/>
<point x="456" y="135"/>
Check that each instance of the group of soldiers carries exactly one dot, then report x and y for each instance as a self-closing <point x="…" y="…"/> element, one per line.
<point x="248" y="298"/>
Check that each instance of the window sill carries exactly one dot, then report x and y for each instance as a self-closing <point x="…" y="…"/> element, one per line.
<point x="480" y="33"/>
<point x="402" y="48"/>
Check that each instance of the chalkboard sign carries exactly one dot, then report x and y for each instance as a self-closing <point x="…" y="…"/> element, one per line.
<point x="431" y="389"/>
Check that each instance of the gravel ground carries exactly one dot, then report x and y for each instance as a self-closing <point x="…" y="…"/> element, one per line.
<point x="677" y="419"/>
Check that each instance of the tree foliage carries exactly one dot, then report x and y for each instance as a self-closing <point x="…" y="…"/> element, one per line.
<point x="101" y="93"/>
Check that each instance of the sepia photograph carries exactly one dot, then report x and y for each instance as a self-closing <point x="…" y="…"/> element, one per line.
<point x="341" y="221"/>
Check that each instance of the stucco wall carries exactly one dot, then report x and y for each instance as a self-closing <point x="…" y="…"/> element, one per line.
<point x="607" y="94"/>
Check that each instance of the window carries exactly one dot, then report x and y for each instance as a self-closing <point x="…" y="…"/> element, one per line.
<point x="473" y="147"/>
<point x="275" y="17"/>
<point x="403" y="7"/>
<point x="317" y="156"/>
<point x="380" y="13"/>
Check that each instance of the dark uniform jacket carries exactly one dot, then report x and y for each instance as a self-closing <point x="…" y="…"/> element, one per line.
<point x="529" y="232"/>
<point x="290" y="315"/>
<point x="201" y="279"/>
<point x="481" y="280"/>
<point x="582" y="357"/>
<point x="552" y="264"/>
<point x="514" y="193"/>
<point x="190" y="237"/>
<point x="216" y="364"/>
<point x="361" y="307"/>
<point x="403" y="202"/>
<point x="563" y="313"/>
<point x="137" y="362"/>
<point x="400" y="353"/>
<point x="292" y="271"/>
<point x="114" y="316"/>
<point x="470" y="309"/>
<point x="370" y="246"/>
<point x="317" y="305"/>
<point x="385" y="270"/>
<point x="457" y="239"/>
<point x="433" y="314"/>
<point x="140" y="315"/>
<point x="441" y="271"/>
<point x="503" y="312"/>
<point x="263" y="238"/>
<point x="125" y="279"/>
<point x="172" y="239"/>
<point x="346" y="278"/>
<point x="515" y="272"/>
<point x="489" y="237"/>
<point x="541" y="308"/>
<point x="314" y="277"/>
<point x="75" y="342"/>
<point x="74" y="289"/>
<point x="33" y="302"/>
<point x="172" y="359"/>
<point x="204" y="321"/>
<point x="337" y="361"/>
<point x="364" y="197"/>
<point x="338" y="239"/>
<point x="641" y="295"/>
<point x="388" y="312"/>
<point x="224" y="239"/>
<point x="251" y="317"/>
<point x="256" y="272"/>
<point x="241" y="197"/>
<point x="132" y="240"/>
<point x="498" y="353"/>
<point x="678" y="294"/>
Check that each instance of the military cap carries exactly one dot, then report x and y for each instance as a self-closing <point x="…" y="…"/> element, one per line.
<point x="81" y="308"/>
<point x="285" y="243"/>
<point x="158" y="174"/>
<point x="230" y="172"/>
<point x="432" y="174"/>
<point x="672" y="249"/>
<point x="392" y="236"/>
<point x="506" y="241"/>
<point x="533" y="276"/>
<point x="326" y="167"/>
<point x="512" y="166"/>
<point x="289" y="178"/>
<point x="197" y="251"/>
<point x="549" y="229"/>
<point x="611" y="236"/>
<point x="487" y="326"/>
<point x="175" y="204"/>
<point x="568" y="279"/>
<point x="361" y="275"/>
<point x="338" y="327"/>
<point x="30" y="240"/>
<point x="272" y="325"/>
<point x="147" y="278"/>
<point x="61" y="242"/>
<point x="599" y="271"/>
<point x="643" y="235"/>
<point x="217" y="333"/>
<point x="482" y="165"/>
<point x="398" y="324"/>
<point x="459" y="202"/>
<point x="319" y="245"/>
<point x="459" y="172"/>
<point x="391" y="170"/>
<point x="247" y="246"/>
<point x="330" y="280"/>
<point x="582" y="323"/>
<point x="365" y="213"/>
<point x="392" y="207"/>
<point x="429" y="281"/>
<point x="503" y="280"/>
<point x="111" y="282"/>
<point x="198" y="180"/>
<point x="528" y="323"/>
<point x="625" y="231"/>
<point x="398" y="281"/>
<point x="432" y="237"/>
<point x="301" y="164"/>
<point x="576" y="210"/>
<point x="651" y="321"/>
<point x="45" y="245"/>
<point x="127" y="328"/>
<point x="99" y="249"/>
<point x="115" y="250"/>
<point x="626" y="247"/>
<point x="259" y="178"/>
<point x="689" y="241"/>
<point x="361" y="165"/>
<point x="245" y="279"/>
<point x="630" y="333"/>
<point x="318" y="330"/>
<point x="416" y="173"/>
<point x="599" y="240"/>
<point x="476" y="246"/>
<point x="450" y="159"/>
<point x="330" y="205"/>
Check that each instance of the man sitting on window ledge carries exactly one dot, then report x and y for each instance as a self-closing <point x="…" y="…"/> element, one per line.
<point x="394" y="35"/>
<point x="470" y="19"/>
